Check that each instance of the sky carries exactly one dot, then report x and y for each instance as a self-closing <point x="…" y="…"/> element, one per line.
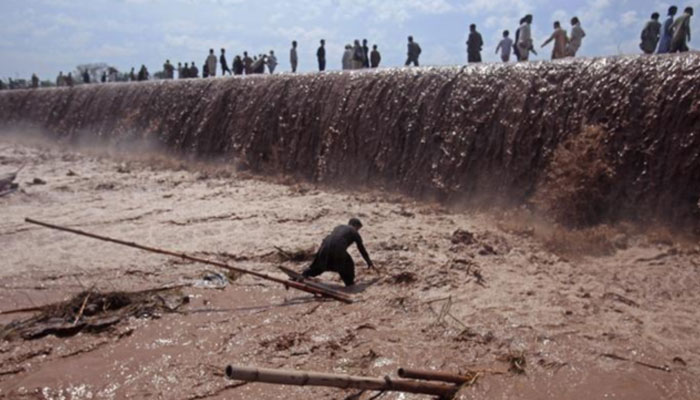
<point x="47" y="36"/>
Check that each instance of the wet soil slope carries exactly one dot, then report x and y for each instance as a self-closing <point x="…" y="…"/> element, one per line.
<point x="484" y="133"/>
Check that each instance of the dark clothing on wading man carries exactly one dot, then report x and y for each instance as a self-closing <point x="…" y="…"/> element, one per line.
<point x="333" y="254"/>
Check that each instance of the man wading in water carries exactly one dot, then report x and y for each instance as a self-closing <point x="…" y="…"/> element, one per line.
<point x="333" y="254"/>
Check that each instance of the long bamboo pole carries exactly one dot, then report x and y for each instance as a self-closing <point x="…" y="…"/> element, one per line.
<point x="298" y="378"/>
<point x="434" y="376"/>
<point x="296" y="285"/>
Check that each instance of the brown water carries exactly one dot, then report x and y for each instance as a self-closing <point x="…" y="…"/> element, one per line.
<point x="478" y="134"/>
<point x="562" y="312"/>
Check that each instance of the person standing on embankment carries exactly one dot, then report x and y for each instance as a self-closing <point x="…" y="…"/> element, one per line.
<point x="321" y="56"/>
<point x="505" y="46"/>
<point x="650" y="34"/>
<point x="681" y="32"/>
<point x="475" y="44"/>
<point x="211" y="63"/>
<point x="667" y="32"/>
<point x="414" y="51"/>
<point x="577" y="35"/>
<point x="294" y="57"/>
<point x="560" y="42"/>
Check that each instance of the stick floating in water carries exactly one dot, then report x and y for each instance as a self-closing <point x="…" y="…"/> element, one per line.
<point x="296" y="285"/>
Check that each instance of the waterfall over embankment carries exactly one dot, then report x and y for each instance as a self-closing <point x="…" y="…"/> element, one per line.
<point x="483" y="133"/>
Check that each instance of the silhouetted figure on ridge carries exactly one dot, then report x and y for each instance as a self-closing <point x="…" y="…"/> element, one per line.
<point x="103" y="79"/>
<point x="294" y="57"/>
<point x="475" y="44"/>
<point x="35" y="81"/>
<point x="211" y="63"/>
<point x="86" y="76"/>
<point x="414" y="51"/>
<point x="224" y="64"/>
<point x="357" y="55"/>
<point x="650" y="34"/>
<point x="143" y="73"/>
<point x="237" y="65"/>
<point x="179" y="71"/>
<point x="247" y="63"/>
<point x="525" y="42"/>
<point x="667" y="32"/>
<point x="132" y="75"/>
<point x="505" y="46"/>
<point x="321" y="56"/>
<point x="365" y="54"/>
<point x="516" y="48"/>
<point x="560" y="42"/>
<point x="333" y="253"/>
<point x="681" y="32"/>
<point x="194" y="71"/>
<point x="375" y="57"/>
<point x="347" y="58"/>
<point x="271" y="62"/>
<point x="69" y="79"/>
<point x="60" y="79"/>
<point x="576" y="39"/>
<point x="169" y="70"/>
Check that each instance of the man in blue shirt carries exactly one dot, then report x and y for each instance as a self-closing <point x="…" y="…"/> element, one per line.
<point x="666" y="32"/>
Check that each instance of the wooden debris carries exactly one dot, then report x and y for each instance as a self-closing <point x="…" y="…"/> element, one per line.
<point x="89" y="312"/>
<point x="300" y="278"/>
<point x="299" y="378"/>
<point x="664" y="368"/>
<point x="82" y="309"/>
<point x="461" y="379"/>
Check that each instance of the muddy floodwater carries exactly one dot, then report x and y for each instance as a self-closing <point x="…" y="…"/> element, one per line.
<point x="458" y="290"/>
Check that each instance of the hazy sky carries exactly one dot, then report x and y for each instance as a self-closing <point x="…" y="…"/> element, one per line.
<point x="45" y="36"/>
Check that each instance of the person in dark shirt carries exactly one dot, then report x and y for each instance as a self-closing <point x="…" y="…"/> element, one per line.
<point x="224" y="63"/>
<point x="375" y="57"/>
<point x="414" y="51"/>
<point x="237" y="66"/>
<point x="143" y="74"/>
<point x="365" y="51"/>
<point x="474" y="45"/>
<point x="333" y="253"/>
<point x="169" y="70"/>
<point x="247" y="63"/>
<point x="321" y="55"/>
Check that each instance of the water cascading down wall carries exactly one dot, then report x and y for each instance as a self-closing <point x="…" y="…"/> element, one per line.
<point x="478" y="134"/>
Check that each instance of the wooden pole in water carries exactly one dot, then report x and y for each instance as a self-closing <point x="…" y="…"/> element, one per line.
<point x="435" y="376"/>
<point x="298" y="378"/>
<point x="296" y="285"/>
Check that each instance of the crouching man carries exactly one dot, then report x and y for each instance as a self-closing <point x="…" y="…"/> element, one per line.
<point x="333" y="254"/>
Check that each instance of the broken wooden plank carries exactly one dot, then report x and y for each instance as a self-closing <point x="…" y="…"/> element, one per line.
<point x="300" y="378"/>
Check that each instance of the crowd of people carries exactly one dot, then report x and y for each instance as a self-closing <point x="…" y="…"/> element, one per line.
<point x="240" y="65"/>
<point x="673" y="36"/>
